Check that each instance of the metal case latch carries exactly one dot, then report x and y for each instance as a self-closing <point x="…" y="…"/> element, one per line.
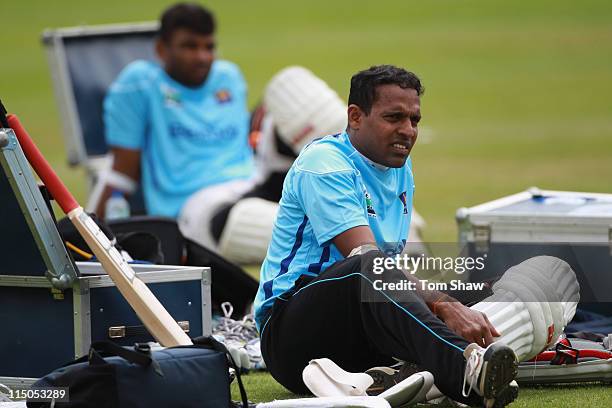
<point x="184" y="325"/>
<point x="482" y="237"/>
<point x="116" y="332"/>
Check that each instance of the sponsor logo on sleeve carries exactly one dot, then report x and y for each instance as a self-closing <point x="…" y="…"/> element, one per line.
<point x="223" y="96"/>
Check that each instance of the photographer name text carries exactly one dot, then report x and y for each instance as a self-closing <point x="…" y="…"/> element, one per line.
<point x="424" y="284"/>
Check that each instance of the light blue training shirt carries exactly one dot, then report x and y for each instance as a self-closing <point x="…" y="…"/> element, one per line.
<point x="189" y="138"/>
<point x="331" y="188"/>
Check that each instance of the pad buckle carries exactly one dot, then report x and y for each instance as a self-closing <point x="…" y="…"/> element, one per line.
<point x="565" y="355"/>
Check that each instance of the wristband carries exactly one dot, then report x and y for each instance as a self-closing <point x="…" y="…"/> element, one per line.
<point x="360" y="250"/>
<point x="119" y="181"/>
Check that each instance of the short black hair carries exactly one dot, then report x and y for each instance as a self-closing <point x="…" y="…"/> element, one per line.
<point x="186" y="15"/>
<point x="364" y="84"/>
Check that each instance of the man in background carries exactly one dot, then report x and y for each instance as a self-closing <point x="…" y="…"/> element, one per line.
<point x="180" y="125"/>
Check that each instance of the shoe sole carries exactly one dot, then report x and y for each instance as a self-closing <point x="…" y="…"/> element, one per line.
<point x="499" y="369"/>
<point x="505" y="397"/>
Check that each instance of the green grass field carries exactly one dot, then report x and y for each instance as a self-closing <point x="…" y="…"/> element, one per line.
<point x="518" y="93"/>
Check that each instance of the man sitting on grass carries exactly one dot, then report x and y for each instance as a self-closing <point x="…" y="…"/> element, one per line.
<point x="345" y="196"/>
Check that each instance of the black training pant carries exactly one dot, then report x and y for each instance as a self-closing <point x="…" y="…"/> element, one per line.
<point x="328" y="317"/>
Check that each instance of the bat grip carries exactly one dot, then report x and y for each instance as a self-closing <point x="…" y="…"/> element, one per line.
<point x="46" y="173"/>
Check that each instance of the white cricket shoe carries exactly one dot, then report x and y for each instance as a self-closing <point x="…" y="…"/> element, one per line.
<point x="490" y="372"/>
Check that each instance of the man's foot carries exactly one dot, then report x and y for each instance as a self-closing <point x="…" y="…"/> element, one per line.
<point x="490" y="373"/>
<point x="386" y="377"/>
<point x="410" y="391"/>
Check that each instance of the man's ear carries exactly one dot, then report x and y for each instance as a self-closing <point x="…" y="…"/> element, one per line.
<point x="160" y="49"/>
<point x="355" y="115"/>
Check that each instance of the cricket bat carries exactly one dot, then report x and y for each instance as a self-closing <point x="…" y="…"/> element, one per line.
<point x="151" y="312"/>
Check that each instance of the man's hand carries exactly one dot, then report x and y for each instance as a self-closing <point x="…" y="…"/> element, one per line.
<point x="470" y="324"/>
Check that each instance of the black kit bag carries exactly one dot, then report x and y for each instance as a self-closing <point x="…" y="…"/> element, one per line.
<point x="115" y="377"/>
<point x="140" y="245"/>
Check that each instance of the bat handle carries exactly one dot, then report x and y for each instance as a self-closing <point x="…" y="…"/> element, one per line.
<point x="46" y="173"/>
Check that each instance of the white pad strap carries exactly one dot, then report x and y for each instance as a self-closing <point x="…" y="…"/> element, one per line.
<point x="360" y="250"/>
<point x="120" y="181"/>
<point x="326" y="379"/>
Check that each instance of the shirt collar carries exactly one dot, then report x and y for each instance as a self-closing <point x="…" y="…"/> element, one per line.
<point x="369" y="162"/>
